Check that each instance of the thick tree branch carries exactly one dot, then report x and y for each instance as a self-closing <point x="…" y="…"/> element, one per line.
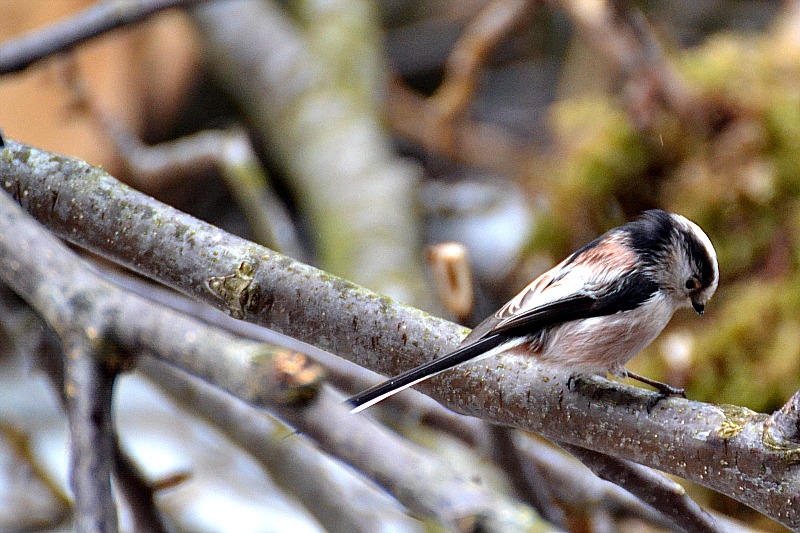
<point x="653" y="487"/>
<point x="74" y="299"/>
<point x="721" y="447"/>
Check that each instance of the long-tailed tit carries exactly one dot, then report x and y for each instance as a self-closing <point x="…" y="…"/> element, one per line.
<point x="594" y="311"/>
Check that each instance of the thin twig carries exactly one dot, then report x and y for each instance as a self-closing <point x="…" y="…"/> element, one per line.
<point x="137" y="493"/>
<point x="528" y="482"/>
<point x="480" y="38"/>
<point x="18" y="54"/>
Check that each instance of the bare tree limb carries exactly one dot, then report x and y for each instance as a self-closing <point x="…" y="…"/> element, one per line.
<point x="346" y="504"/>
<point x="657" y="490"/>
<point x="359" y="196"/>
<point x="721" y="447"/>
<point x="525" y="477"/>
<point x="131" y="485"/>
<point x="88" y="385"/>
<point x="651" y="487"/>
<point x="480" y="38"/>
<point x="22" y="52"/>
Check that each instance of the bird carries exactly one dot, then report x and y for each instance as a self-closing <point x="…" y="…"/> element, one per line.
<point x="595" y="310"/>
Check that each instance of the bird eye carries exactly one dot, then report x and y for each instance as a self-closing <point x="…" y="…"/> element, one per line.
<point x="692" y="284"/>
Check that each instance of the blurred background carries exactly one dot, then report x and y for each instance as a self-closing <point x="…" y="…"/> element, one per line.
<point x="354" y="135"/>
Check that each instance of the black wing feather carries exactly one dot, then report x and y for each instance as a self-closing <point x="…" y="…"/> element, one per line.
<point x="634" y="290"/>
<point x="426" y="370"/>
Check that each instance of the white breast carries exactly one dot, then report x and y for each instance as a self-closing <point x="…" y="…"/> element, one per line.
<point x="605" y="344"/>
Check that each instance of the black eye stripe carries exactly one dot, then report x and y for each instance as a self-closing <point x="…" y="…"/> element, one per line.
<point x="699" y="258"/>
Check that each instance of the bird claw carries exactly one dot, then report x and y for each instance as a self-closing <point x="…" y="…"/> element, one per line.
<point x="664" y="392"/>
<point x="571" y="382"/>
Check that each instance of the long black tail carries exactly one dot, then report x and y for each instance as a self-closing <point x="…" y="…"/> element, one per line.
<point x="416" y="375"/>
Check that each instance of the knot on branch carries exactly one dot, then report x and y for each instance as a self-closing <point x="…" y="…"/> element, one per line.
<point x="285" y="378"/>
<point x="782" y="430"/>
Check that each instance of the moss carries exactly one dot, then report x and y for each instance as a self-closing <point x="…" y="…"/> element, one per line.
<point x="600" y="150"/>
<point x="736" y="418"/>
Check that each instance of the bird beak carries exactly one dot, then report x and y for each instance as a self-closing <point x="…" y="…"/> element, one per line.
<point x="699" y="308"/>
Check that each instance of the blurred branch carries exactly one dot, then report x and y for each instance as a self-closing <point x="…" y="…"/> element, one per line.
<point x="527" y="480"/>
<point x="624" y="37"/>
<point x="137" y="493"/>
<point x="578" y="489"/>
<point x="441" y="123"/>
<point x="346" y="504"/>
<point x="232" y="153"/>
<point x="651" y="487"/>
<point x="359" y="196"/>
<point x="347" y="37"/>
<point x="229" y="151"/>
<point x="480" y="38"/>
<point x="20" y="53"/>
<point x="474" y="143"/>
<point x="88" y="385"/>
<point x="425" y="484"/>
<point x="720" y="447"/>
